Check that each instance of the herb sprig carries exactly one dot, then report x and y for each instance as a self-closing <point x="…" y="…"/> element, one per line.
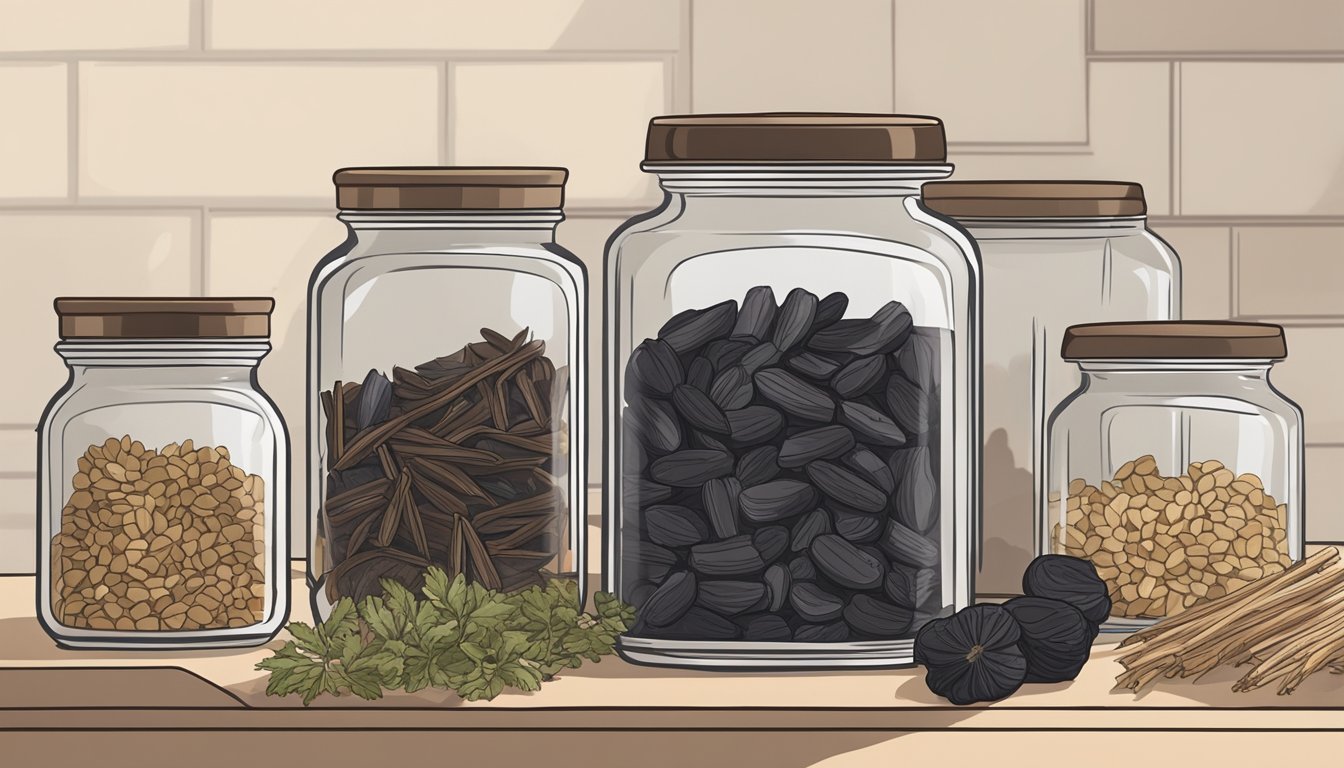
<point x="460" y="636"/>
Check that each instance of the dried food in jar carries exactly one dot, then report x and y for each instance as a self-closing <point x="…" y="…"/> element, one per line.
<point x="845" y="564"/>
<point x="671" y="601"/>
<point x="467" y="472"/>
<point x="772" y="462"/>
<point x="729" y="557"/>
<point x="973" y="655"/>
<point x="691" y="468"/>
<point x="171" y="539"/>
<point x="874" y="617"/>
<point x="814" y="604"/>
<point x="696" y="623"/>
<point x="771" y="541"/>
<point x="675" y="526"/>
<point x="1163" y="544"/>
<point x="765" y="628"/>
<point x="720" y="499"/>
<point x="839" y="484"/>
<point x="730" y="598"/>
<point x="809" y="445"/>
<point x="776" y="500"/>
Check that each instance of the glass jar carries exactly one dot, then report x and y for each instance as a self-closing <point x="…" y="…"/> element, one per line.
<point x="1087" y="242"/>
<point x="162" y="478"/>
<point x="793" y="351"/>
<point x="446" y="385"/>
<point x="1176" y="467"/>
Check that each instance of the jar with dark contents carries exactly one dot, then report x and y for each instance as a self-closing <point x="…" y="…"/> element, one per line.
<point x="793" y="361"/>
<point x="446" y="413"/>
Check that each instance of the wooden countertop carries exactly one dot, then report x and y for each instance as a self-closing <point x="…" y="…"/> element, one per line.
<point x="856" y="718"/>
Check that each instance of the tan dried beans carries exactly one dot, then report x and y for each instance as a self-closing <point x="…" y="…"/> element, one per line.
<point x="1163" y="544"/>
<point x="160" y="540"/>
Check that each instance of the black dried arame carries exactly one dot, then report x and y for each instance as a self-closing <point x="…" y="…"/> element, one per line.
<point x="785" y="455"/>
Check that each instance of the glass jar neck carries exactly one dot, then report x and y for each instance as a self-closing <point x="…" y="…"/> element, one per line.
<point x="1172" y="375"/>
<point x="760" y="180"/>
<point x="165" y="361"/>
<point x="503" y="226"/>
<point x="1051" y="228"/>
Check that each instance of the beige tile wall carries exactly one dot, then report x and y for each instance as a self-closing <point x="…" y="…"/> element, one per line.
<point x="186" y="146"/>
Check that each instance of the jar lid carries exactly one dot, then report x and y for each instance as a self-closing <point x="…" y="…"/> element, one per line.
<point x="165" y="318"/>
<point x="1034" y="199"/>
<point x="449" y="188"/>
<point x="1171" y="340"/>
<point x="785" y="137"/>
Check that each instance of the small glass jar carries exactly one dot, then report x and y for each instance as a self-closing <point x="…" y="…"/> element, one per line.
<point x="1087" y="241"/>
<point x="163" y="487"/>
<point x="446" y="404"/>
<point x="793" y="351"/>
<point x="1176" y="467"/>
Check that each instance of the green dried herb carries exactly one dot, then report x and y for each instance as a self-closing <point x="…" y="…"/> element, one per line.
<point x="460" y="636"/>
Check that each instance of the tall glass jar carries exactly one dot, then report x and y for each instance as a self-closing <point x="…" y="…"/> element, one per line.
<point x="792" y="362"/>
<point x="446" y="384"/>
<point x="1055" y="254"/>
<point x="1176" y="467"/>
<point x="162" y="487"/>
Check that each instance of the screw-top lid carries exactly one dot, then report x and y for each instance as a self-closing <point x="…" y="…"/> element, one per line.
<point x="780" y="137"/>
<point x="1171" y="340"/>
<point x="449" y="188"/>
<point x="165" y="318"/>
<point x="1034" y="199"/>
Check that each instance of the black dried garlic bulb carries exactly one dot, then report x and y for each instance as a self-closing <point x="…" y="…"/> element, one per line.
<point x="1056" y="638"/>
<point x="972" y="655"/>
<point x="1071" y="579"/>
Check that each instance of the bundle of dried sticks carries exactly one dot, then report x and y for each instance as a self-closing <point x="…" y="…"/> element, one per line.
<point x="1288" y="626"/>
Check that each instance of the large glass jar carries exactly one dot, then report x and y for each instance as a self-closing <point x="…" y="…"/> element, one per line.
<point x="446" y="403"/>
<point x="793" y="351"/>
<point x="1054" y="254"/>
<point x="162" y="490"/>
<point x="1176" y="467"/>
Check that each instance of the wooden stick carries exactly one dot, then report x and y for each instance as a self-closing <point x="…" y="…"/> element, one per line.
<point x="1288" y="626"/>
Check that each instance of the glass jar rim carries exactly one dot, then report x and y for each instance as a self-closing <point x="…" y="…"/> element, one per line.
<point x="1175" y="364"/>
<point x="163" y="352"/>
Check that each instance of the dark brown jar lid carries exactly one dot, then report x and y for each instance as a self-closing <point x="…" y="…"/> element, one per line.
<point x="1034" y="199"/>
<point x="784" y="137"/>
<point x="449" y="188"/>
<point x="165" y="318"/>
<point x="1170" y="340"/>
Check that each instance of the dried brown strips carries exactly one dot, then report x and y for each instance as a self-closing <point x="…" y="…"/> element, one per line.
<point x="459" y="462"/>
<point x="1286" y="627"/>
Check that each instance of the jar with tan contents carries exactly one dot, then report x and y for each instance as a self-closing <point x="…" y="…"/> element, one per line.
<point x="162" y="488"/>
<point x="1176" y="466"/>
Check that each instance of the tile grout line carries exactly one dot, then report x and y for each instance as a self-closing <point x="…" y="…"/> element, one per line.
<point x="203" y="251"/>
<point x="1234" y="265"/>
<point x="1090" y="31"/>
<point x="688" y="50"/>
<point x="1222" y="57"/>
<point x="895" y="91"/>
<point x="1175" y="153"/>
<point x="342" y="56"/>
<point x="200" y="9"/>
<point x="72" y="132"/>
<point x="447" y="74"/>
<point x="258" y="207"/>
<point x="1087" y="73"/>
